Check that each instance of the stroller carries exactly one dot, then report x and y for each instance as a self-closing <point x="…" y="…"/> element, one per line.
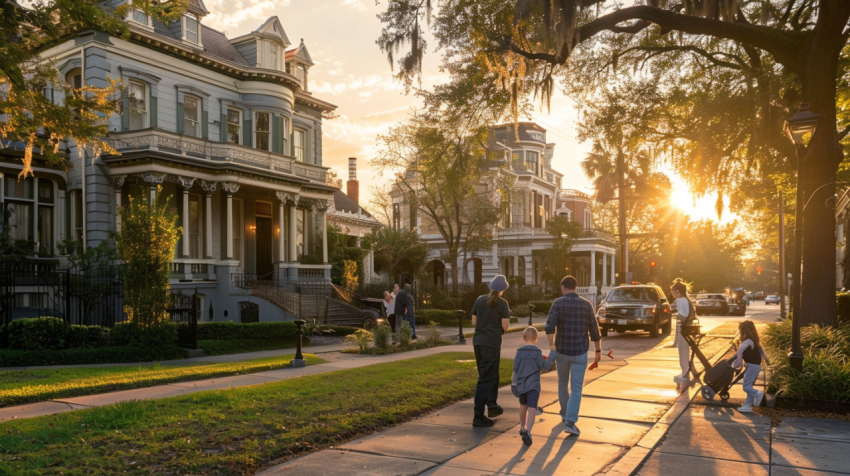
<point x="717" y="378"/>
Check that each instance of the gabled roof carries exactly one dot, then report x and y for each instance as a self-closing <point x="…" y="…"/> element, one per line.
<point x="197" y="6"/>
<point x="273" y="27"/>
<point x="300" y="54"/>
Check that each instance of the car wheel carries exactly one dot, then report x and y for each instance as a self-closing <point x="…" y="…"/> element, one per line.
<point x="603" y="332"/>
<point x="370" y="323"/>
<point x="667" y="327"/>
<point x="653" y="331"/>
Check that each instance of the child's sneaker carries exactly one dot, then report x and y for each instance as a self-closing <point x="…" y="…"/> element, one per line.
<point x="745" y="408"/>
<point x="570" y="428"/>
<point x="759" y="398"/>
<point x="682" y="378"/>
<point x="526" y="437"/>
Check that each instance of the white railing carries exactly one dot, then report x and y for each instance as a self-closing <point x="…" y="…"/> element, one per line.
<point x="164" y="141"/>
<point x="522" y="230"/>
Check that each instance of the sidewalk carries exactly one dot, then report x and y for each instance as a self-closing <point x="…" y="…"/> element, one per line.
<point x="627" y="405"/>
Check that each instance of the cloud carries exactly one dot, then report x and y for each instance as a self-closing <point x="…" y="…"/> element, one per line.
<point x="370" y="83"/>
<point x="229" y="15"/>
<point x="355" y="4"/>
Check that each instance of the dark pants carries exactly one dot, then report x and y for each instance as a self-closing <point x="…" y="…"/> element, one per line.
<point x="487" y="359"/>
<point x="411" y="319"/>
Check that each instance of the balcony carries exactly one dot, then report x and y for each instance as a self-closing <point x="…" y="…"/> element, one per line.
<point x="521" y="230"/>
<point x="206" y="151"/>
<point x="184" y="269"/>
<point x="594" y="234"/>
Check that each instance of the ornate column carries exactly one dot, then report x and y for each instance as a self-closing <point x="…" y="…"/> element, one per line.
<point x="209" y="189"/>
<point x="186" y="183"/>
<point x="118" y="182"/>
<point x="604" y="269"/>
<point x="153" y="180"/>
<point x="323" y="208"/>
<point x="281" y="209"/>
<point x="515" y="260"/>
<point x="293" y="228"/>
<point x="593" y="268"/>
<point x="613" y="268"/>
<point x="229" y="188"/>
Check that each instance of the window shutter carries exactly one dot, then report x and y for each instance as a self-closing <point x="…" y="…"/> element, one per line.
<point x="247" y="133"/>
<point x="276" y="136"/>
<point x="153" y="121"/>
<point x="222" y="129"/>
<point x="125" y="109"/>
<point x="205" y="122"/>
<point x="180" y="118"/>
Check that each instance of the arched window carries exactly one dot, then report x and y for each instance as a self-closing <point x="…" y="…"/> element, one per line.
<point x="588" y="224"/>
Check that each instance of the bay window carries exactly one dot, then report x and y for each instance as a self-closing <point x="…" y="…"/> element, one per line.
<point x="298" y="143"/>
<point x="234" y="126"/>
<point x="138" y="95"/>
<point x="191" y="116"/>
<point x="262" y="131"/>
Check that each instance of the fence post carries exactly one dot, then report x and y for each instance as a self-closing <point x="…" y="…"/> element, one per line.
<point x="193" y="323"/>
<point x="67" y="296"/>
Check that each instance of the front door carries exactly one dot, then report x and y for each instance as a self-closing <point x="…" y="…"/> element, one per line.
<point x="264" y="247"/>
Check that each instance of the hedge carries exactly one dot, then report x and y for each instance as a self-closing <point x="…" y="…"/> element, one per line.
<point x="541" y="306"/>
<point x="239" y="346"/>
<point x="443" y="318"/>
<point x="843" y="307"/>
<point x="239" y="331"/>
<point x="132" y="334"/>
<point x="50" y="333"/>
<point x="100" y="355"/>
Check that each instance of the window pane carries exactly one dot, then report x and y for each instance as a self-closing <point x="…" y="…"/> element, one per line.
<point x="262" y="129"/>
<point x="140" y="17"/>
<point x="298" y="145"/>
<point x="138" y="106"/>
<point x="19" y="188"/>
<point x="191" y="29"/>
<point x="45" y="191"/>
<point x="234" y="119"/>
<point x="19" y="220"/>
<point x="45" y="229"/>
<point x="191" y="127"/>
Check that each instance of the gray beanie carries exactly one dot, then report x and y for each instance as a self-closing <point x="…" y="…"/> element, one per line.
<point x="499" y="283"/>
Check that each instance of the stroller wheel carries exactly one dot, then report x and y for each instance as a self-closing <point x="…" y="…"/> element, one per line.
<point x="707" y="392"/>
<point x="724" y="395"/>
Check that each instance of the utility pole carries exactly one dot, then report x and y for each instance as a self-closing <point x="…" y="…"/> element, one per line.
<point x="621" y="195"/>
<point x="782" y="279"/>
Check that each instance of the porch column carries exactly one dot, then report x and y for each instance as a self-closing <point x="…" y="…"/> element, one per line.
<point x="604" y="269"/>
<point x="209" y="188"/>
<point x="613" y="270"/>
<point x="593" y="268"/>
<point x="118" y="182"/>
<point x="229" y="189"/>
<point x="324" y="211"/>
<point x="281" y="242"/>
<point x="186" y="183"/>
<point x="293" y="229"/>
<point x="515" y="260"/>
<point x="153" y="180"/>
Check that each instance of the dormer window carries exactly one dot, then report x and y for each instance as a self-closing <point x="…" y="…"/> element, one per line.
<point x="301" y="74"/>
<point x="140" y="17"/>
<point x="536" y="135"/>
<point x="190" y="28"/>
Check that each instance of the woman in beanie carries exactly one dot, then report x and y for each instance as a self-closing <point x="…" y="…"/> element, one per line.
<point x="491" y="317"/>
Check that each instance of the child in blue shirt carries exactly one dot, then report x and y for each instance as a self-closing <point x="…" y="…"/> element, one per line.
<point x="525" y="381"/>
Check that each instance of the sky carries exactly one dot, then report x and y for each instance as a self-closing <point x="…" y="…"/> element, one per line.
<point x="351" y="72"/>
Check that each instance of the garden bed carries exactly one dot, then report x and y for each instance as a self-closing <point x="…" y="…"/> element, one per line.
<point x="27" y="386"/>
<point x="238" y="431"/>
<point x="396" y="348"/>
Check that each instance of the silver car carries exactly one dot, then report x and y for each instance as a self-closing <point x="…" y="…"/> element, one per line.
<point x="772" y="299"/>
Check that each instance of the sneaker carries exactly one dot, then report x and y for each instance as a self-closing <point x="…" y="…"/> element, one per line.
<point x="493" y="412"/>
<point x="570" y="427"/>
<point x="759" y="398"/>
<point x="526" y="437"/>
<point x="684" y="378"/>
<point x="745" y="409"/>
<point x="482" y="422"/>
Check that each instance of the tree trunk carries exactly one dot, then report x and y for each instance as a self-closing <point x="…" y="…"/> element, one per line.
<point x="452" y="259"/>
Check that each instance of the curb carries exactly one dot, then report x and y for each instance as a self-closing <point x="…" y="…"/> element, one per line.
<point x="635" y="457"/>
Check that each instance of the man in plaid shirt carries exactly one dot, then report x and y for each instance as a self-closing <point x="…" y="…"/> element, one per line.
<point x="573" y="318"/>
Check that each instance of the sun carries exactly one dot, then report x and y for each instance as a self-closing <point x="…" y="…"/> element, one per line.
<point x="699" y="208"/>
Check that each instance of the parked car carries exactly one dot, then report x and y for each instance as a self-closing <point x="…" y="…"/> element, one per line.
<point x="635" y="308"/>
<point x="737" y="303"/>
<point x="772" y="299"/>
<point x="756" y="295"/>
<point x="714" y="303"/>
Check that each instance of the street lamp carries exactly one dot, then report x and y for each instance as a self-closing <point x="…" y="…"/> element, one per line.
<point x="800" y="129"/>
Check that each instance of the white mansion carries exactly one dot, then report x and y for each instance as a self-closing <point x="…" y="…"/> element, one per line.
<point x="521" y="234"/>
<point x="227" y="128"/>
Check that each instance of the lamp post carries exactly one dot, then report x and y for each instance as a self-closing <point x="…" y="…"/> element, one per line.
<point x="460" y="338"/>
<point x="298" y="361"/>
<point x="800" y="130"/>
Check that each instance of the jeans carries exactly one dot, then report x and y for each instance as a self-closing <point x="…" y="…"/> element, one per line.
<point x="750" y="376"/>
<point x="411" y="319"/>
<point x="487" y="390"/>
<point x="684" y="349"/>
<point x="571" y="369"/>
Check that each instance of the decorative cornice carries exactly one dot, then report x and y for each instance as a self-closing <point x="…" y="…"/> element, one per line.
<point x="208" y="186"/>
<point x="118" y="180"/>
<point x="186" y="182"/>
<point x="153" y="178"/>
<point x="230" y="187"/>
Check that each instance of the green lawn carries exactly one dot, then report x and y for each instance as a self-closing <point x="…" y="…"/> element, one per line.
<point x="236" y="431"/>
<point x="17" y="387"/>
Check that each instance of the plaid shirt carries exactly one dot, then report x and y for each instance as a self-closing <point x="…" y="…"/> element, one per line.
<point x="573" y="318"/>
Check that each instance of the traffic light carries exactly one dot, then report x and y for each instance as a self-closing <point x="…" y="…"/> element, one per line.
<point x="652" y="265"/>
<point x="759" y="269"/>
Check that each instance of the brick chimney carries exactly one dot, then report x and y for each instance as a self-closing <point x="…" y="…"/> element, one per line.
<point x="353" y="186"/>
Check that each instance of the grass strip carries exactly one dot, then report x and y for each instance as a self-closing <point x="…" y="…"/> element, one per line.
<point x="27" y="386"/>
<point x="238" y="431"/>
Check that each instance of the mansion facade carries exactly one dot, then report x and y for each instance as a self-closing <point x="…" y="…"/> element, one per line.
<point x="520" y="236"/>
<point x="226" y="128"/>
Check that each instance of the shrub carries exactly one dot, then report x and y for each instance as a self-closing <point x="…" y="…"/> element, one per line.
<point x="133" y="334"/>
<point x="432" y="335"/>
<point x="541" y="306"/>
<point x="239" y="346"/>
<point x="87" y="336"/>
<point x="381" y="336"/>
<point x="445" y="318"/>
<point x="236" y="331"/>
<point x="361" y="338"/>
<point x="405" y="334"/>
<point x="38" y="333"/>
<point x="100" y="355"/>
